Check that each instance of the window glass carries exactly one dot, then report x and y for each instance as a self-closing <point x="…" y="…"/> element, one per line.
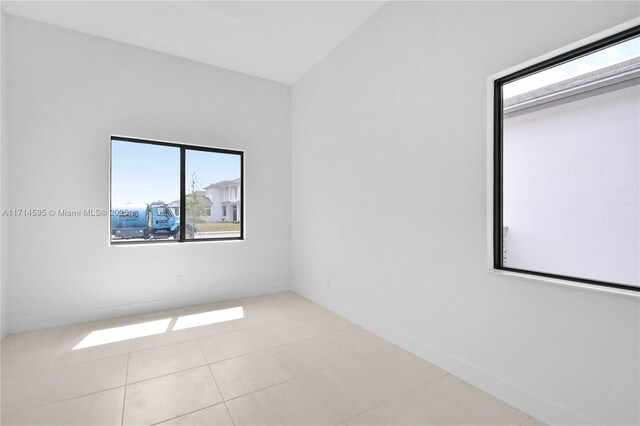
<point x="142" y="175"/>
<point x="148" y="203"/>
<point x="210" y="177"/>
<point x="569" y="173"/>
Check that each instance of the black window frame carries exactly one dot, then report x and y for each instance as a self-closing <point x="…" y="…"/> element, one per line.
<point x="183" y="196"/>
<point x="498" y="119"/>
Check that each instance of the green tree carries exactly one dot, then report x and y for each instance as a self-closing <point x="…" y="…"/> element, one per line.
<point x="157" y="203"/>
<point x="196" y="208"/>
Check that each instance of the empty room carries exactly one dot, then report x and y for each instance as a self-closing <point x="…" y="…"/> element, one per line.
<point x="320" y="212"/>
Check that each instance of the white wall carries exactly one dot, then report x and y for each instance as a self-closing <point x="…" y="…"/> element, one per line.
<point x="4" y="299"/>
<point x="398" y="111"/>
<point x="571" y="165"/>
<point x="68" y="92"/>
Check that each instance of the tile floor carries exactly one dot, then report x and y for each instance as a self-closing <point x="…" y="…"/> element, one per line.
<point x="287" y="361"/>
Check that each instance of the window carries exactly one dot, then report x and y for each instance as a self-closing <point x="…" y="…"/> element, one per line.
<point x="224" y="211"/>
<point x="567" y="165"/>
<point x="154" y="183"/>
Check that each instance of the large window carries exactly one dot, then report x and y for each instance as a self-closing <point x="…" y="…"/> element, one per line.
<point x="163" y="191"/>
<point x="567" y="165"/>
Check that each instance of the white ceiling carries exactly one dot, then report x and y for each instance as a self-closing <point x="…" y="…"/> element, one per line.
<point x="278" y="41"/>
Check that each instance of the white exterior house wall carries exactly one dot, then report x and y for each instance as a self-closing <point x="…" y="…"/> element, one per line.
<point x="587" y="146"/>
<point x="229" y="196"/>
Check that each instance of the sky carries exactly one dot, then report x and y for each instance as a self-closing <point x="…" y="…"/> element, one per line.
<point x="596" y="60"/>
<point x="142" y="173"/>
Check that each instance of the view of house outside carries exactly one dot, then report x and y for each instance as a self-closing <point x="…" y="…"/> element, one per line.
<point x="571" y="162"/>
<point x="213" y="194"/>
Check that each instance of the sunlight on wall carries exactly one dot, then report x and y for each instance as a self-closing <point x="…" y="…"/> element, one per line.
<point x="211" y="317"/>
<point x="118" y="334"/>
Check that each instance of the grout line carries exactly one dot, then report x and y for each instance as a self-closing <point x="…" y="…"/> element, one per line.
<point x="39" y="375"/>
<point x="62" y="367"/>
<point x="291" y="380"/>
<point x="216" y="382"/>
<point x="185" y="414"/>
<point x="373" y="408"/>
<point x="401" y="395"/>
<point x="126" y="379"/>
<point x="24" y="410"/>
<point x="280" y="346"/>
<point x="167" y="374"/>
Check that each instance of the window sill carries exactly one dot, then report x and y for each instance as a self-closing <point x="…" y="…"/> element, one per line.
<point x="567" y="283"/>
<point x="171" y="242"/>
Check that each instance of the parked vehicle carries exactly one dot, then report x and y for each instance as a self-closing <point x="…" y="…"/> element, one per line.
<point x="144" y="221"/>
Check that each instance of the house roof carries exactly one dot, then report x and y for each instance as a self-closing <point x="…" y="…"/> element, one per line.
<point x="201" y="196"/>
<point x="607" y="76"/>
<point x="223" y="183"/>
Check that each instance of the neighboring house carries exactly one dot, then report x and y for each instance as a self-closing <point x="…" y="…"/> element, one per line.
<point x="225" y="200"/>
<point x="175" y="205"/>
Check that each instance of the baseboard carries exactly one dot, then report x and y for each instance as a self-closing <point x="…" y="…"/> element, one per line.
<point x="538" y="407"/>
<point x="47" y="320"/>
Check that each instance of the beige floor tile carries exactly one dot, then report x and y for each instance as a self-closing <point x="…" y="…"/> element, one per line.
<point x="28" y="352"/>
<point x="27" y="362"/>
<point x="230" y="345"/>
<point x="14" y="391"/>
<point x="395" y="412"/>
<point x="249" y="373"/>
<point x="164" y="360"/>
<point x="294" y="305"/>
<point x="163" y="339"/>
<point x="404" y="368"/>
<point x="258" y="314"/>
<point x="101" y="408"/>
<point x="327" y="322"/>
<point x="64" y="355"/>
<point x="532" y="422"/>
<point x="351" y="388"/>
<point x="311" y="355"/>
<point x="281" y="333"/>
<point x="77" y="380"/>
<point x="223" y="327"/>
<point x="166" y="397"/>
<point x="289" y="403"/>
<point x="211" y="416"/>
<point x="55" y="350"/>
<point x="450" y="400"/>
<point x="358" y="341"/>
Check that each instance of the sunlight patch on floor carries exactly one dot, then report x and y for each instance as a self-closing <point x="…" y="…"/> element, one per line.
<point x="206" y="318"/>
<point x="118" y="334"/>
